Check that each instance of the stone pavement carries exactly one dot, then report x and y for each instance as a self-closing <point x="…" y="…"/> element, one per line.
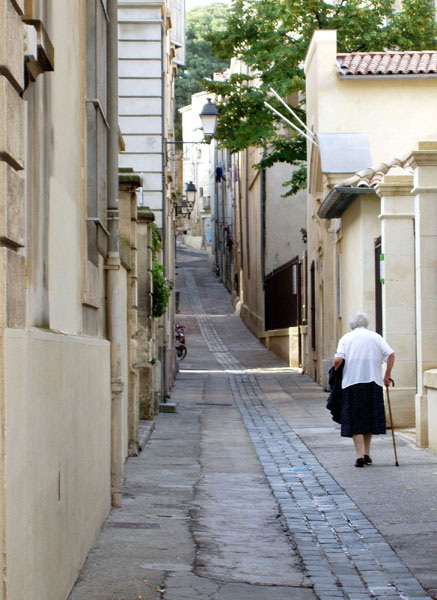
<point x="249" y="492"/>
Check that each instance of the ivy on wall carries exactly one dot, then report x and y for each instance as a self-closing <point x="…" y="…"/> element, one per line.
<point x="161" y="289"/>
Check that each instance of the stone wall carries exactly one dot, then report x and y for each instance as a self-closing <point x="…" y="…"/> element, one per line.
<point x="55" y="441"/>
<point x="12" y="151"/>
<point x="56" y="403"/>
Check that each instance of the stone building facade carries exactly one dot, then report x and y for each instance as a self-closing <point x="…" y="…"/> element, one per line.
<point x="371" y="223"/>
<point x="76" y="333"/>
<point x="56" y="368"/>
<point x="151" y="46"/>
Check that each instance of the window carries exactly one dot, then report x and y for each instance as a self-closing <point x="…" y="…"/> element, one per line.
<point x="97" y="128"/>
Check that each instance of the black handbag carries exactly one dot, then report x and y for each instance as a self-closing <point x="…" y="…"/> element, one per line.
<point x="334" y="402"/>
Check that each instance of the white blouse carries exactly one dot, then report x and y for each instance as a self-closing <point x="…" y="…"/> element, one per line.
<point x="363" y="352"/>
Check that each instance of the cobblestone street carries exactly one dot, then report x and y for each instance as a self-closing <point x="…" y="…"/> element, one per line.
<point x="248" y="492"/>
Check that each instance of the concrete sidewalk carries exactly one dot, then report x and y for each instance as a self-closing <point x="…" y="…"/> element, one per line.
<point x="249" y="492"/>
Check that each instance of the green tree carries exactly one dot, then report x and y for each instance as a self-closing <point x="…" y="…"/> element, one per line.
<point x="201" y="63"/>
<point x="272" y="38"/>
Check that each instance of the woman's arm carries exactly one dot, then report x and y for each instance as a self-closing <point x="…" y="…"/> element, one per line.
<point x="338" y="362"/>
<point x="390" y="363"/>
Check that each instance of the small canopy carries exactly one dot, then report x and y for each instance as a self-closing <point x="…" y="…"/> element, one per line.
<point x="344" y="152"/>
<point x="339" y="199"/>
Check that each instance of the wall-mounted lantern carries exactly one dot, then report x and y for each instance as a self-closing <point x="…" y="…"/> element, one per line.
<point x="209" y="117"/>
<point x="191" y="192"/>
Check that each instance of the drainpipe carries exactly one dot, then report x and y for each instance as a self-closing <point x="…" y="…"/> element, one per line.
<point x="113" y="260"/>
<point x="216" y="215"/>
<point x="164" y="318"/>
<point x="263" y="226"/>
<point x="246" y="197"/>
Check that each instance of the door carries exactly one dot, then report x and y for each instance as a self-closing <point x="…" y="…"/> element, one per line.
<point x="378" y="286"/>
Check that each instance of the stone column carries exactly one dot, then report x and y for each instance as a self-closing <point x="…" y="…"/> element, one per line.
<point x="398" y="291"/>
<point x="424" y="162"/>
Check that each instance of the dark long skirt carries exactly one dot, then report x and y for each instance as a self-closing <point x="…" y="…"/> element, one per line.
<point x="362" y="410"/>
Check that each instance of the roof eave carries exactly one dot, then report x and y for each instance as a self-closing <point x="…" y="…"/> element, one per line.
<point x="374" y="77"/>
<point x="339" y="199"/>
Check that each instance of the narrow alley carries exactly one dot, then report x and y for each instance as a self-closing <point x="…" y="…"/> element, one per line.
<point x="248" y="492"/>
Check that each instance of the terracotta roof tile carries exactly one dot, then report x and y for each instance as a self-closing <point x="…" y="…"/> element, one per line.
<point x="370" y="177"/>
<point x="393" y="66"/>
<point x="387" y="63"/>
<point x="432" y="65"/>
<point x="374" y="64"/>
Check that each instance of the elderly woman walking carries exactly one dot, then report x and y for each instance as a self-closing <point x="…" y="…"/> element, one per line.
<point x="362" y="413"/>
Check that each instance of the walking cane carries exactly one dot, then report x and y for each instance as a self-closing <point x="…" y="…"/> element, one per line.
<point x="391" y="423"/>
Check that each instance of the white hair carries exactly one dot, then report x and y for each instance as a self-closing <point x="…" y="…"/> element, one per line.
<point x="358" y="319"/>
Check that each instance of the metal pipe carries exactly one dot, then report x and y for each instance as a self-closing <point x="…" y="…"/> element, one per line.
<point x="113" y="291"/>
<point x="164" y="221"/>
<point x="292" y="125"/>
<point x="290" y="110"/>
<point x="216" y="215"/>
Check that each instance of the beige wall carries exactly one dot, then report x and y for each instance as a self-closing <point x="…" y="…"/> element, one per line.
<point x="399" y="289"/>
<point x="65" y="182"/>
<point x="360" y="228"/>
<point x="54" y="179"/>
<point x="284" y="343"/>
<point x="57" y="410"/>
<point x="252" y="296"/>
<point x="55" y="396"/>
<point x="285" y="217"/>
<point x="429" y="417"/>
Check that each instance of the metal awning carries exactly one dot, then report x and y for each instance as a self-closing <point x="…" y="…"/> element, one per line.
<point x="344" y="152"/>
<point x="339" y="199"/>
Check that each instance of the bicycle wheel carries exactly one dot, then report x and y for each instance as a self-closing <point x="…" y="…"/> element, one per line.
<point x="181" y="351"/>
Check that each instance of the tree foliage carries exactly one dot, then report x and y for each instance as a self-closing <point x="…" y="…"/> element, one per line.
<point x="272" y="36"/>
<point x="201" y="63"/>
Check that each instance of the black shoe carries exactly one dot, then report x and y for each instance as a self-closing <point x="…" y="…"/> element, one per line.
<point x="359" y="463"/>
<point x="367" y="460"/>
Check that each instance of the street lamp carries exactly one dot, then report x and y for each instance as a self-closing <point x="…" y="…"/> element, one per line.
<point x="191" y="192"/>
<point x="209" y="118"/>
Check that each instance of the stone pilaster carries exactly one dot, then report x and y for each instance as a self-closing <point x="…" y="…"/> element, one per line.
<point x="128" y="183"/>
<point x="12" y="210"/>
<point x="148" y="362"/>
<point x="424" y="162"/>
<point x="398" y="291"/>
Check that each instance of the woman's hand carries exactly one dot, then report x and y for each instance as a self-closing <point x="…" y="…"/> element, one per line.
<point x="387" y="380"/>
<point x="387" y="376"/>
